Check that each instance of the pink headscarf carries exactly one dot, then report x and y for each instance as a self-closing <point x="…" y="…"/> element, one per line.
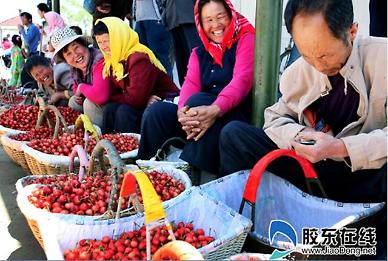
<point x="54" y="21"/>
<point x="238" y="26"/>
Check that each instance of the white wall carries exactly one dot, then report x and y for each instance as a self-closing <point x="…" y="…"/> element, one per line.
<point x="246" y="8"/>
<point x="361" y="15"/>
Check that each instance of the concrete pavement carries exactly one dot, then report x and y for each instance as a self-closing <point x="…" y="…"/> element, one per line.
<point x="16" y="239"/>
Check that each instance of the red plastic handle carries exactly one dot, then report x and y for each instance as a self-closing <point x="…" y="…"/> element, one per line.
<point x="254" y="178"/>
<point x="129" y="185"/>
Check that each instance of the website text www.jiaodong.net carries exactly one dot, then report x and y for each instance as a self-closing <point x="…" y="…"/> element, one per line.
<point x="341" y="250"/>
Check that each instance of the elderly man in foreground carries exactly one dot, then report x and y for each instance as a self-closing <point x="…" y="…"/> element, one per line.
<point x="332" y="110"/>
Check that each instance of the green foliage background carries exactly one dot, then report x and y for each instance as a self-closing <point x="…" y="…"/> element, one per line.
<point x="74" y="14"/>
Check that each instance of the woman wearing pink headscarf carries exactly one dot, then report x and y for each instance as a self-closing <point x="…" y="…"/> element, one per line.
<point x="215" y="91"/>
<point x="53" y="19"/>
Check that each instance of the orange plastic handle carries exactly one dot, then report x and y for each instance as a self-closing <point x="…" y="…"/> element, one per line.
<point x="254" y="178"/>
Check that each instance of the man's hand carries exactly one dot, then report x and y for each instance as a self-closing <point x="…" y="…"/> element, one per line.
<point x="325" y="147"/>
<point x="200" y="119"/>
<point x="20" y="27"/>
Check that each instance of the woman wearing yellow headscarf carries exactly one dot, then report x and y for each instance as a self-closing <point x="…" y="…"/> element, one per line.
<point x="138" y="77"/>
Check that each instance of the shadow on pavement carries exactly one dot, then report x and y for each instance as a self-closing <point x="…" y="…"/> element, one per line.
<point x="18" y="228"/>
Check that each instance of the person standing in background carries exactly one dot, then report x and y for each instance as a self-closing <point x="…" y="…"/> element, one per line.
<point x="378" y="18"/>
<point x="179" y="20"/>
<point x="76" y="29"/>
<point x="6" y="54"/>
<point x="31" y="35"/>
<point x="6" y="44"/>
<point x="17" y="61"/>
<point x="151" y="31"/>
<point x="116" y="8"/>
<point x="53" y="19"/>
<point x="53" y="22"/>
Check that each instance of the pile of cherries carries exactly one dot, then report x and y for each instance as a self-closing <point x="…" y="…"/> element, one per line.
<point x="64" y="144"/>
<point x="132" y="245"/>
<point x="68" y="114"/>
<point x="24" y="117"/>
<point x="65" y="194"/>
<point x="34" y="134"/>
<point x="20" y="117"/>
<point x="16" y="99"/>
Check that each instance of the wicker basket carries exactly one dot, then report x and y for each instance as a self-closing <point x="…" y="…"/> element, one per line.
<point x="33" y="214"/>
<point x="39" y="163"/>
<point x="79" y="152"/>
<point x="23" y="192"/>
<point x="127" y="157"/>
<point x="42" y="163"/>
<point x="229" y="228"/>
<point x="48" y="164"/>
<point x="130" y="156"/>
<point x="4" y="130"/>
<point x="14" y="150"/>
<point x="35" y="230"/>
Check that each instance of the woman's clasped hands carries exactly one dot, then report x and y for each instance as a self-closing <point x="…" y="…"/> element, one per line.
<point x="196" y="121"/>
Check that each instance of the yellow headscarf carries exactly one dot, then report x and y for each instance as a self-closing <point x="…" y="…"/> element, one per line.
<point x="123" y="42"/>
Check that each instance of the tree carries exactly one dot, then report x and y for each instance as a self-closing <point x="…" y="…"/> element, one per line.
<point x="74" y="14"/>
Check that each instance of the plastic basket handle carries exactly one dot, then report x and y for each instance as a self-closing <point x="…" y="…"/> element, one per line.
<point x="254" y="178"/>
<point x="253" y="182"/>
<point x="116" y="163"/>
<point x="84" y="120"/>
<point x="34" y="97"/>
<point x="98" y="153"/>
<point x="79" y="152"/>
<point x="177" y="250"/>
<point x="4" y="90"/>
<point x="58" y="119"/>
<point x="40" y="102"/>
<point x="153" y="209"/>
<point x="161" y="153"/>
<point x="10" y="96"/>
<point x="30" y="97"/>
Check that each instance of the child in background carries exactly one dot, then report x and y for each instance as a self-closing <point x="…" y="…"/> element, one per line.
<point x="17" y="61"/>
